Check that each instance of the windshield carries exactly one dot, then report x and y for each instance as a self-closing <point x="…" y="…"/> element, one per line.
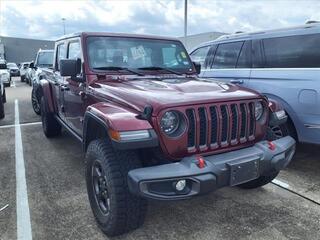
<point x="45" y="59"/>
<point x="135" y="53"/>
<point x="11" y="65"/>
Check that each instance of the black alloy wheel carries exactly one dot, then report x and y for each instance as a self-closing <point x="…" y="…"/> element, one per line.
<point x="100" y="187"/>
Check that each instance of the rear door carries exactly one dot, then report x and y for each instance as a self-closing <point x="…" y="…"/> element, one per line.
<point x="231" y="62"/>
<point x="288" y="68"/>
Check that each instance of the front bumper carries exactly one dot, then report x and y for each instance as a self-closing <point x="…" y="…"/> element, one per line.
<point x="226" y="169"/>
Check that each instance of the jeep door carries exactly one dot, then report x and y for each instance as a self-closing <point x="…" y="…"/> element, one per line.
<point x="229" y="62"/>
<point x="74" y="92"/>
<point x="56" y="80"/>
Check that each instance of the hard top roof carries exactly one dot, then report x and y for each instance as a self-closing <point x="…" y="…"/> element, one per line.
<point x="107" y="34"/>
<point x="310" y="27"/>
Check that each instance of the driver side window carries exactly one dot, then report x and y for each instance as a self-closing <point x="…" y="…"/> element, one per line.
<point x="61" y="54"/>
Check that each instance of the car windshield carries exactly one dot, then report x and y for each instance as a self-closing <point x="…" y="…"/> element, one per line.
<point x="116" y="53"/>
<point x="11" y="65"/>
<point x="45" y="59"/>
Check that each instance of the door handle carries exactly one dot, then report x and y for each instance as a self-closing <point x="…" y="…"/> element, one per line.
<point x="237" y="81"/>
<point x="64" y="88"/>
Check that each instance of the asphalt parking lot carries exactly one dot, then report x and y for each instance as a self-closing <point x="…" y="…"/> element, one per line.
<point x="289" y="208"/>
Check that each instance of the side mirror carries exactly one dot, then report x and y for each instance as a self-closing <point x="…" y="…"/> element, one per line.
<point x="70" y="67"/>
<point x="31" y="65"/>
<point x="197" y="66"/>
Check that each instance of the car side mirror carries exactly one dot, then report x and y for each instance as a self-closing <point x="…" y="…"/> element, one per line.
<point x="31" y="65"/>
<point x="70" y="67"/>
<point x="197" y="66"/>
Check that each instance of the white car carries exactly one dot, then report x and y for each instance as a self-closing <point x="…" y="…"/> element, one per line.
<point x="23" y="70"/>
<point x="13" y="69"/>
<point x="4" y="74"/>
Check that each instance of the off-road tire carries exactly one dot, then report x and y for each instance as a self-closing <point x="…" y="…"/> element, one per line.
<point x="259" y="182"/>
<point x="35" y="102"/>
<point x="1" y="108"/>
<point x="50" y="125"/>
<point x="126" y="211"/>
<point x="22" y="78"/>
<point x="283" y="130"/>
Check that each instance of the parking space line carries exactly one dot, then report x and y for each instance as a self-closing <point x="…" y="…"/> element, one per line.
<point x="22" y="124"/>
<point x="23" y="212"/>
<point x="287" y="187"/>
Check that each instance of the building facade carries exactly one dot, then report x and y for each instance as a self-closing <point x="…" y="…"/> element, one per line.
<point x="22" y="49"/>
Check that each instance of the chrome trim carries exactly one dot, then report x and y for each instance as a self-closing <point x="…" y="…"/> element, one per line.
<point x="314" y="126"/>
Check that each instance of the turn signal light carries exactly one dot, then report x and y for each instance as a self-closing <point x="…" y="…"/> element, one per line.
<point x="115" y="135"/>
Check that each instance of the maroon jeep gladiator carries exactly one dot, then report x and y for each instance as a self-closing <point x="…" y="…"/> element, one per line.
<point x="151" y="128"/>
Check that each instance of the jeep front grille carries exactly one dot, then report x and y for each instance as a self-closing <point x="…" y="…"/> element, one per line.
<point x="220" y="125"/>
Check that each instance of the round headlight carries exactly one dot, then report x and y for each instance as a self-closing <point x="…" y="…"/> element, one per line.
<point x="258" y="110"/>
<point x="170" y="122"/>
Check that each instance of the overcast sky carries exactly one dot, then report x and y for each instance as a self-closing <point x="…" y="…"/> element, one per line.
<point x="42" y="19"/>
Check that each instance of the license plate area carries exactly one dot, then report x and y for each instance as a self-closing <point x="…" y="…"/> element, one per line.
<point x="243" y="171"/>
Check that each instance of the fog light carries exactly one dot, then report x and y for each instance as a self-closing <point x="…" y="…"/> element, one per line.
<point x="180" y="185"/>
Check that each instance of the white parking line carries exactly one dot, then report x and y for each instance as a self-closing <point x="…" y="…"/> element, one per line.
<point x="23" y="212"/>
<point x="22" y="124"/>
<point x="280" y="183"/>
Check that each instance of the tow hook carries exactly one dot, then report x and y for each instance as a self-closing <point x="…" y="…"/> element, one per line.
<point x="201" y="163"/>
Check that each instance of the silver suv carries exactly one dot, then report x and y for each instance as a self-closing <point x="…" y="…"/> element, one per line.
<point x="283" y="64"/>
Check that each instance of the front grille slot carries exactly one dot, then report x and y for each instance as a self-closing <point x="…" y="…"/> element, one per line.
<point x="203" y="126"/>
<point x="243" y="120"/>
<point x="214" y="125"/>
<point x="218" y="126"/>
<point x="224" y="124"/>
<point x="252" y="119"/>
<point x="192" y="128"/>
<point x="234" y="117"/>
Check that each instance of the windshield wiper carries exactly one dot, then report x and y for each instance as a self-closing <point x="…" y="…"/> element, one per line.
<point x="113" y="68"/>
<point x="160" y="68"/>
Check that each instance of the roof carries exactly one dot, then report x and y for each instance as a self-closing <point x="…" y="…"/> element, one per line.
<point x="107" y="34"/>
<point x="310" y="27"/>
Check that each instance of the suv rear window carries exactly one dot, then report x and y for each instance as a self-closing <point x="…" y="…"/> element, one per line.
<point x="292" y="52"/>
<point x="227" y="55"/>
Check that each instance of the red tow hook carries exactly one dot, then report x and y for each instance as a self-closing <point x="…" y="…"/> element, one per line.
<point x="271" y="146"/>
<point x="201" y="163"/>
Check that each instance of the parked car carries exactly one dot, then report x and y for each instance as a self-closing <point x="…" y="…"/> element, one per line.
<point x="151" y="128"/>
<point x="30" y="73"/>
<point x="23" y="70"/>
<point x="2" y="96"/>
<point x="13" y="69"/>
<point x="4" y="73"/>
<point x="282" y="64"/>
<point x="43" y="61"/>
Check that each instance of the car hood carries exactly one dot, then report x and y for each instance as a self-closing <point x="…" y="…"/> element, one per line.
<point x="14" y="68"/>
<point x="165" y="93"/>
<point x="3" y="71"/>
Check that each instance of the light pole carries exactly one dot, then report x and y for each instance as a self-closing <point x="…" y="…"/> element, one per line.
<point x="185" y="21"/>
<point x="64" y="25"/>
